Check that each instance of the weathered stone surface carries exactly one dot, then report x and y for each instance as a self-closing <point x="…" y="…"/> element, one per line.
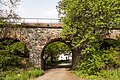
<point x="114" y="34"/>
<point x="36" y="38"/>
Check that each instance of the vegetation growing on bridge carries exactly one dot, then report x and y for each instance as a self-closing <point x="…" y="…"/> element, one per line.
<point x="83" y="20"/>
<point x="14" y="63"/>
<point x="84" y="24"/>
<point x="14" y="60"/>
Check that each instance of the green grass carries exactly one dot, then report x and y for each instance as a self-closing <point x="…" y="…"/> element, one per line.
<point x="103" y="75"/>
<point x="23" y="75"/>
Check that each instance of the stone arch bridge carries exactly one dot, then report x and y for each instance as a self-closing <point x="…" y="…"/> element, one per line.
<point x="37" y="37"/>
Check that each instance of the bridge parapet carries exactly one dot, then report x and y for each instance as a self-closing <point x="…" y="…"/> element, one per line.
<point x="34" y="39"/>
<point x="34" y="22"/>
<point x="36" y="35"/>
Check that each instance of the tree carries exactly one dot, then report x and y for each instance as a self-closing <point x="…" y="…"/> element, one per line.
<point x="83" y="19"/>
<point x="53" y="50"/>
<point x="8" y="8"/>
<point x="85" y="22"/>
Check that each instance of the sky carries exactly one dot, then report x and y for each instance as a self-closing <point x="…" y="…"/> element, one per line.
<point x="38" y="8"/>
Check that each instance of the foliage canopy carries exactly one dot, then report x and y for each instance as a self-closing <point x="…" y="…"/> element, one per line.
<point x="85" y="23"/>
<point x="8" y="8"/>
<point x="54" y="50"/>
<point x="83" y="19"/>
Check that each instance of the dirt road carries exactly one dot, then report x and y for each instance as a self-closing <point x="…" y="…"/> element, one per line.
<point x="58" y="74"/>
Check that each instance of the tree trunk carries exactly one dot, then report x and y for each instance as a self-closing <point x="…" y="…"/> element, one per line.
<point x="51" y="58"/>
<point x="76" y="56"/>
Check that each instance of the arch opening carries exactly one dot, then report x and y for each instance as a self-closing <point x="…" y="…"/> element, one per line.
<point x="56" y="53"/>
<point x="108" y="42"/>
<point x="13" y="55"/>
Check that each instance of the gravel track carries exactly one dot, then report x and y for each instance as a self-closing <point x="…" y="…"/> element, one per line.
<point x="58" y="74"/>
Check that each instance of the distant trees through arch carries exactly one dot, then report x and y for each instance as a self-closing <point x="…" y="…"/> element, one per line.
<point x="57" y="53"/>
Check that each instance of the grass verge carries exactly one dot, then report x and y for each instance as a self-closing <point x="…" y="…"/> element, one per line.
<point x="103" y="75"/>
<point x="23" y="75"/>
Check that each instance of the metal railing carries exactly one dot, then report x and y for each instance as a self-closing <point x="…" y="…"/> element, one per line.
<point x="34" y="21"/>
<point x="31" y="20"/>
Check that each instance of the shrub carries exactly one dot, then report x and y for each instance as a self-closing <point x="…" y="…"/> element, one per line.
<point x="36" y="73"/>
<point x="24" y="75"/>
<point x="10" y="53"/>
<point x="96" y="59"/>
<point x="103" y="75"/>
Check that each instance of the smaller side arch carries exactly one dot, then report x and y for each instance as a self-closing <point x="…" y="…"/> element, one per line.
<point x="17" y="40"/>
<point x="108" y="42"/>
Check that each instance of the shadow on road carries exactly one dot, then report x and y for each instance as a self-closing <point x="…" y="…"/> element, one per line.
<point x="63" y="65"/>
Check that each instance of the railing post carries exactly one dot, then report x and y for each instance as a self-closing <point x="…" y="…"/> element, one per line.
<point x="37" y="20"/>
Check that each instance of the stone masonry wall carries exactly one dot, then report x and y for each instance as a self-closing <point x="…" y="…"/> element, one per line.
<point x="114" y="34"/>
<point x="34" y="39"/>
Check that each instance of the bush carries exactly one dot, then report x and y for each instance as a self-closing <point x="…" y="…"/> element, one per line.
<point x="103" y="75"/>
<point x="10" y="53"/>
<point x="96" y="59"/>
<point x="24" y="75"/>
<point x="35" y="73"/>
